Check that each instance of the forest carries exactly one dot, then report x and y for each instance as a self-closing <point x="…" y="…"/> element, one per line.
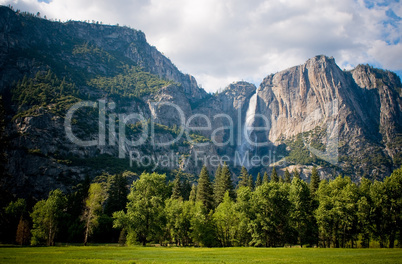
<point x="262" y="211"/>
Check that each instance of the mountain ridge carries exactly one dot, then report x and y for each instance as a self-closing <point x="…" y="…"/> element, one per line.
<point x="46" y="67"/>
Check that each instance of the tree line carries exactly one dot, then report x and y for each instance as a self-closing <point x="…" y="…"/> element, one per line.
<point x="269" y="211"/>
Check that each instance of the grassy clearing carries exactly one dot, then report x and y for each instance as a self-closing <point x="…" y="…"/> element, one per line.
<point x="115" y="254"/>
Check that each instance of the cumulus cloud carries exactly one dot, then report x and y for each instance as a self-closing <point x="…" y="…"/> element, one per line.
<point x="223" y="41"/>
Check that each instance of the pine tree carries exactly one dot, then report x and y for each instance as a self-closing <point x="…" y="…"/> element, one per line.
<point x="296" y="174"/>
<point x="287" y="176"/>
<point x="176" y="192"/>
<point x="265" y="179"/>
<point x="243" y="177"/>
<point x="204" y="189"/>
<point x="116" y="193"/>
<point x="217" y="182"/>
<point x="281" y="180"/>
<point x="314" y="181"/>
<point x="223" y="184"/>
<point x="258" y="181"/>
<point x="193" y="193"/>
<point x="274" y="175"/>
<point x="250" y="182"/>
<point x="186" y="190"/>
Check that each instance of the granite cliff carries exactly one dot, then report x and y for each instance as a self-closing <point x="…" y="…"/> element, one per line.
<point x="313" y="114"/>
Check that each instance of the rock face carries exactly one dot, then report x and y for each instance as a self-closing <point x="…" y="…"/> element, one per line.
<point x="314" y="114"/>
<point x="364" y="104"/>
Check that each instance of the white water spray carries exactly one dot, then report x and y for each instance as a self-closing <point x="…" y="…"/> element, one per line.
<point x="246" y="147"/>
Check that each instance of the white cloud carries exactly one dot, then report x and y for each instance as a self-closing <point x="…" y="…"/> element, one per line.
<point x="223" y="41"/>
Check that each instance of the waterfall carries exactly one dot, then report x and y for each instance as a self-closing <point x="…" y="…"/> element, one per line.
<point x="247" y="130"/>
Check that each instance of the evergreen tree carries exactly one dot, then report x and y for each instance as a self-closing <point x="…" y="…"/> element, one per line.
<point x="259" y="180"/>
<point x="176" y="192"/>
<point x="250" y="182"/>
<point x="217" y="185"/>
<point x="117" y="192"/>
<point x="281" y="180"/>
<point x="314" y="181"/>
<point x="274" y="175"/>
<point x="186" y="189"/>
<point x="223" y="185"/>
<point x="296" y="174"/>
<point x="193" y="193"/>
<point x="204" y="189"/>
<point x="243" y="178"/>
<point x="265" y="179"/>
<point x="287" y="176"/>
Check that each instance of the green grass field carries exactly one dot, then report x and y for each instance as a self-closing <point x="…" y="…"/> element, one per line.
<point x="115" y="254"/>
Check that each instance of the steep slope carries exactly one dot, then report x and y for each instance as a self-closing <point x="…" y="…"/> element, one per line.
<point x="359" y="109"/>
<point x="46" y="67"/>
<point x="345" y="122"/>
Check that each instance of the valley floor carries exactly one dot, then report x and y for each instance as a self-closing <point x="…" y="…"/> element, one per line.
<point x="116" y="254"/>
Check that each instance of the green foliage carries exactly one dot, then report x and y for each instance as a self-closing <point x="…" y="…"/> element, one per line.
<point x="314" y="181"/>
<point x="244" y="211"/>
<point x="204" y="190"/>
<point x="296" y="174"/>
<point x="243" y="178"/>
<point x="46" y="216"/>
<point x="299" y="153"/>
<point x="102" y="162"/>
<point x="16" y="209"/>
<point x="223" y="184"/>
<point x="274" y="175"/>
<point x="270" y="207"/>
<point x="179" y="215"/>
<point x="265" y="179"/>
<point x="227" y="222"/>
<point x="44" y="90"/>
<point x="336" y="214"/>
<point x="145" y="210"/>
<point x="287" y="176"/>
<point x="176" y="192"/>
<point x="301" y="213"/>
<point x="93" y="208"/>
<point x="258" y="182"/>
<point x="133" y="82"/>
<point x="203" y="226"/>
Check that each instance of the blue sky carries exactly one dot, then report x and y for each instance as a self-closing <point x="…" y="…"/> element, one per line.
<point x="229" y="40"/>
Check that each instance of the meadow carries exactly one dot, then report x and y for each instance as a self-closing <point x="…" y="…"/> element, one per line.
<point x="137" y="254"/>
